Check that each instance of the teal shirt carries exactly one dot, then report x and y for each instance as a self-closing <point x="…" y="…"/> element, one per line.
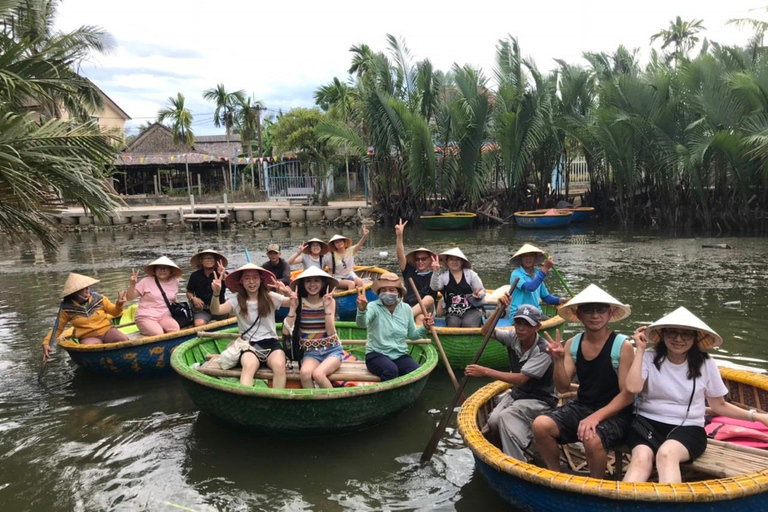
<point x="387" y="331"/>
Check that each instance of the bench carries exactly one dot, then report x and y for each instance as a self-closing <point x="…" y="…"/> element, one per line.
<point x="300" y="195"/>
<point x="349" y="370"/>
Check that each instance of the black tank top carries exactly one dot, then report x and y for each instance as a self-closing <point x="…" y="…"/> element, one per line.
<point x="598" y="381"/>
<point x="457" y="295"/>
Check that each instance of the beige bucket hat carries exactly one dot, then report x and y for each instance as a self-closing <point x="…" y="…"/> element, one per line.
<point x="75" y="283"/>
<point x="411" y="256"/>
<point x="166" y="262"/>
<point x="457" y="253"/>
<point x="314" y="272"/>
<point x="194" y="261"/>
<point x="593" y="294"/>
<point x="347" y="241"/>
<point x="516" y="258"/>
<point x="681" y="318"/>
<point x="388" y="279"/>
<point x="233" y="279"/>
<point x="323" y="246"/>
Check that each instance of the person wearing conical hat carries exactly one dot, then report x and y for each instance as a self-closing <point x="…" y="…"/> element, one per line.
<point x="530" y="287"/>
<point x="416" y="265"/>
<point x="600" y="359"/>
<point x="310" y="254"/>
<point x="674" y="380"/>
<point x="152" y="314"/>
<point x="255" y="307"/>
<point x="89" y="313"/>
<point x="463" y="290"/>
<point x="341" y="260"/>
<point x="389" y="322"/>
<point x="311" y="322"/>
<point x="199" y="292"/>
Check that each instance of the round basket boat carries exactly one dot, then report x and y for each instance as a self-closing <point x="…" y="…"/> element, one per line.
<point x="538" y="489"/>
<point x="536" y="219"/>
<point x="298" y="412"/>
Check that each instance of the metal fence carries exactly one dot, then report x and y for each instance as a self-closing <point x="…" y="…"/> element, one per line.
<point x="284" y="180"/>
<point x="578" y="175"/>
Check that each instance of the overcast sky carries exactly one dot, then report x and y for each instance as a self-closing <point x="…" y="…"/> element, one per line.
<point x="281" y="51"/>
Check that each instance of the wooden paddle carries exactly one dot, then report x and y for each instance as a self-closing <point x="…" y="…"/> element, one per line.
<point x="429" y="451"/>
<point x="435" y="337"/>
<point x="562" y="281"/>
<point x="51" y="343"/>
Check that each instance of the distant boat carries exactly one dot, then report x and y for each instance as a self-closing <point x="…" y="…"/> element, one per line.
<point x="580" y="213"/>
<point x="543" y="219"/>
<point x="448" y="220"/>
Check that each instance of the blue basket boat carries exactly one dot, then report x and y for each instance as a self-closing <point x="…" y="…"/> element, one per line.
<point x="539" y="219"/>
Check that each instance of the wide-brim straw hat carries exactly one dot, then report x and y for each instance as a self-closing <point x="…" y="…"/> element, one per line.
<point x="76" y="282"/>
<point x="164" y="261"/>
<point x="388" y="279"/>
<point x="517" y="258"/>
<point x="681" y="318"/>
<point x="194" y="261"/>
<point x="457" y="253"/>
<point x="323" y="246"/>
<point x="411" y="256"/>
<point x="593" y="294"/>
<point x="314" y="272"/>
<point x="347" y="241"/>
<point x="233" y="279"/>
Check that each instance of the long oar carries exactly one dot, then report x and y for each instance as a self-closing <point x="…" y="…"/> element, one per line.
<point x="51" y="343"/>
<point x="435" y="337"/>
<point x="560" y="277"/>
<point x="426" y="456"/>
<point x="247" y="256"/>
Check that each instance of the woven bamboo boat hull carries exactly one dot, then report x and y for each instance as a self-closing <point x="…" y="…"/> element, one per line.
<point x="581" y="213"/>
<point x="534" y="220"/>
<point x="537" y="489"/>
<point x="450" y="220"/>
<point x="298" y="412"/>
<point x="137" y="357"/>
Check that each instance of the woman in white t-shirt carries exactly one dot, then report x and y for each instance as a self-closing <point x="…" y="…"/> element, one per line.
<point x="673" y="379"/>
<point x="255" y="308"/>
<point x="310" y="254"/>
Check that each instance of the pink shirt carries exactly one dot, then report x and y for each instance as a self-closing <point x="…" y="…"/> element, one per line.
<point x="151" y="304"/>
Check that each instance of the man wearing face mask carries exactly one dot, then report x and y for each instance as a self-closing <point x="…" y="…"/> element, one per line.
<point x="389" y="322"/>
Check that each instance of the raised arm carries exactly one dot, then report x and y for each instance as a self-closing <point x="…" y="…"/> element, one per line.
<point x="399" y="229"/>
<point x="296" y="257"/>
<point x="435" y="283"/>
<point x="634" y="381"/>
<point x="359" y="245"/>
<point x="132" y="293"/>
<point x="216" y="307"/>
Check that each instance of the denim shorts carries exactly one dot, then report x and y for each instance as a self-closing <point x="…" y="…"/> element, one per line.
<point x="322" y="354"/>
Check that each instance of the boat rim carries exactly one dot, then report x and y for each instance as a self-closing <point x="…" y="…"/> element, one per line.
<point x="533" y="213"/>
<point x="450" y="215"/>
<point x="187" y="372"/>
<point x="717" y="489"/>
<point x="546" y="324"/>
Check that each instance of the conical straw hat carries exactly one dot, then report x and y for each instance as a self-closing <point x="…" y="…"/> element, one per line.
<point x="323" y="246"/>
<point x="457" y="253"/>
<point x="166" y="262"/>
<point x="347" y="241"/>
<point x="388" y="279"/>
<point x="593" y="294"/>
<point x="314" y="272"/>
<point x="681" y="318"/>
<point x="516" y="258"/>
<point x="411" y="256"/>
<point x="76" y="282"/>
<point x="233" y="279"/>
<point x="194" y="261"/>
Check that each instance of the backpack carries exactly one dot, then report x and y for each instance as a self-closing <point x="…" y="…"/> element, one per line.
<point x="615" y="349"/>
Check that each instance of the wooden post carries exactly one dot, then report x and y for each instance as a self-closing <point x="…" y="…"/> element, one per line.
<point x="199" y="186"/>
<point x="192" y="202"/>
<point x="218" y="218"/>
<point x="226" y="208"/>
<point x="181" y="215"/>
<point x="154" y="180"/>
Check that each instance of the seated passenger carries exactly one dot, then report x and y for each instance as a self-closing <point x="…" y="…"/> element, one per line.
<point x="310" y="254"/>
<point x="277" y="265"/>
<point x="463" y="291"/>
<point x="153" y="316"/>
<point x="416" y="265"/>
<point x="673" y="379"/>
<point x="340" y="262"/>
<point x="199" y="291"/>
<point x="600" y="414"/>
<point x="531" y="288"/>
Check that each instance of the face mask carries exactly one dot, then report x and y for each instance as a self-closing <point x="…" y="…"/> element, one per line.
<point x="388" y="299"/>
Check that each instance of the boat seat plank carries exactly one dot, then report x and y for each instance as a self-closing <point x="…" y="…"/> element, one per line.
<point x="352" y="370"/>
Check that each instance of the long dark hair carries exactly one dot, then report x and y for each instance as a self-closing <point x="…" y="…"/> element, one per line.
<point x="695" y="356"/>
<point x="265" y="306"/>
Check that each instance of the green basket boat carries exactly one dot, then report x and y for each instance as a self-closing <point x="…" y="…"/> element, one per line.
<point x="299" y="412"/>
<point x="449" y="220"/>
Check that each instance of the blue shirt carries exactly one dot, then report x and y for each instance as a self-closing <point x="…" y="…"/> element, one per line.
<point x="387" y="331"/>
<point x="522" y="296"/>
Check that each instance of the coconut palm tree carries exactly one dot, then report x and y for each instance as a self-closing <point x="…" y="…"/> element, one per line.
<point x="248" y="124"/>
<point x="181" y="126"/>
<point x="682" y="35"/>
<point x="226" y="111"/>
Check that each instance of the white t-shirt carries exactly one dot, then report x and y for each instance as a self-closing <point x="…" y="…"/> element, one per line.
<point x="666" y="393"/>
<point x="262" y="329"/>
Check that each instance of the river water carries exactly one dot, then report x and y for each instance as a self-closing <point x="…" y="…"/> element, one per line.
<point x="84" y="443"/>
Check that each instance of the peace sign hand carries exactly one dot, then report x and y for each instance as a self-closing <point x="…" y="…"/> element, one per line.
<point x="134" y="276"/>
<point x="294" y="302"/>
<point x="216" y="283"/>
<point x="400" y="227"/>
<point x="435" y="263"/>
<point x="555" y="347"/>
<point x="120" y="298"/>
<point x="328" y="301"/>
<point x="362" y="300"/>
<point x="222" y="270"/>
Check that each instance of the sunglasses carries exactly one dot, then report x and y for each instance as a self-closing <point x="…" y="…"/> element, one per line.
<point x="425" y="258"/>
<point x="671" y="334"/>
<point x="589" y="309"/>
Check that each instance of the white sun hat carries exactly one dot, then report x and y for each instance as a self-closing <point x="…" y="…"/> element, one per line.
<point x="165" y="262"/>
<point x="681" y="318"/>
<point x="314" y="272"/>
<point x="455" y="252"/>
<point x="347" y="241"/>
<point x="593" y="294"/>
<point x="411" y="256"/>
<point x="323" y="246"/>
<point x="194" y="261"/>
<point x="516" y="258"/>
<point x="76" y="282"/>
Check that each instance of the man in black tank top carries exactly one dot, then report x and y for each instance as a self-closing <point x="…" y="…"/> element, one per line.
<point x="531" y="375"/>
<point x="599" y="416"/>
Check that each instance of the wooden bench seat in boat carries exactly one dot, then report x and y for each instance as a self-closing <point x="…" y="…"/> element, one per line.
<point x="349" y="370"/>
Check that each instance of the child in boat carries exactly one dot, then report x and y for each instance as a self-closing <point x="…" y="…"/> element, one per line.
<point x="255" y="308"/>
<point x="462" y="288"/>
<point x="389" y="322"/>
<point x="199" y="292"/>
<point x="341" y="260"/>
<point x="672" y="380"/>
<point x="152" y="315"/>
<point x="530" y="286"/>
<point x="416" y="265"/>
<point x="600" y="414"/>
<point x="310" y="254"/>
<point x="311" y="320"/>
<point x="88" y="312"/>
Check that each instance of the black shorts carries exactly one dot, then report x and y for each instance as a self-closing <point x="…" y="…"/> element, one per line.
<point x="612" y="431"/>
<point x="653" y="433"/>
<point x="262" y="346"/>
